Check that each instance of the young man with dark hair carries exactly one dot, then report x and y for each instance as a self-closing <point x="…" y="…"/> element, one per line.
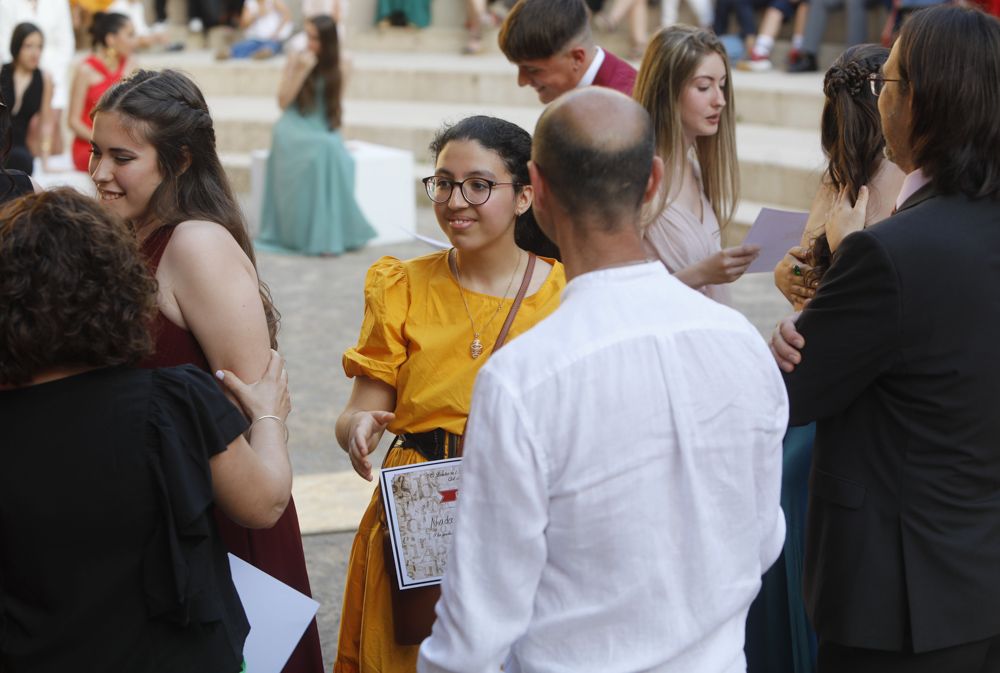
<point x="551" y="44"/>
<point x="622" y="465"/>
<point x="896" y="360"/>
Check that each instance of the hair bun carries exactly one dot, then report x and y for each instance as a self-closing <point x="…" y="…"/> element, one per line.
<point x="851" y="78"/>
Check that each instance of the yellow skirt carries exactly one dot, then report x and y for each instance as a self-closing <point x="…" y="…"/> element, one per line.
<point x="93" y="6"/>
<point x="367" y="643"/>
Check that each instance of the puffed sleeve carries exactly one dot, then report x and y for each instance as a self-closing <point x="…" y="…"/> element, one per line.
<point x="382" y="346"/>
<point x="185" y="571"/>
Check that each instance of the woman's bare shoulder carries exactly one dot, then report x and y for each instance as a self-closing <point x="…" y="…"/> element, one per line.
<point x="195" y="242"/>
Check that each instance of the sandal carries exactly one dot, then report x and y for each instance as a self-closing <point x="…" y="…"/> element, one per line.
<point x="473" y="46"/>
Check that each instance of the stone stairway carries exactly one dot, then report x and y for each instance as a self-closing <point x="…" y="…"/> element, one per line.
<point x="401" y="99"/>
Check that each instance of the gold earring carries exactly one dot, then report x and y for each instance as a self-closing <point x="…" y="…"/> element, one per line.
<point x="112" y="52"/>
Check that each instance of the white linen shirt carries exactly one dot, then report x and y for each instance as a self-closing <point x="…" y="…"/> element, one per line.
<point x="620" y="493"/>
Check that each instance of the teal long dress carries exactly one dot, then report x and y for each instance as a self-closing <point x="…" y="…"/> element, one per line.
<point x="417" y="12"/>
<point x="779" y="638"/>
<point x="309" y="204"/>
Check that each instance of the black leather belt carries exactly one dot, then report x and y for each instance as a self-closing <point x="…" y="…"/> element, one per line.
<point x="433" y="445"/>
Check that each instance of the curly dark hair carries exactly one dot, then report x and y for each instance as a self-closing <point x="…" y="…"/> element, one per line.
<point x="74" y="290"/>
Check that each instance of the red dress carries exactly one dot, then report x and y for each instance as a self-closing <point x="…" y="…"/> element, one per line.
<point x="278" y="550"/>
<point x="81" y="147"/>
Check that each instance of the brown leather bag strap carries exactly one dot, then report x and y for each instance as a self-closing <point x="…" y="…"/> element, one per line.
<point x="521" y="291"/>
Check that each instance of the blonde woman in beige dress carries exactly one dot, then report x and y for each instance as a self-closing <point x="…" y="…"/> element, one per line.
<point x="684" y="84"/>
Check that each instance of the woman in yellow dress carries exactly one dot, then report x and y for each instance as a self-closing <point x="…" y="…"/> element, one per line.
<point x="430" y="324"/>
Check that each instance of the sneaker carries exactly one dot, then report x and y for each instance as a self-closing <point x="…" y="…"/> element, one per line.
<point x="805" y="63"/>
<point x="756" y="63"/>
<point x="794" y="55"/>
<point x="159" y="28"/>
<point x="195" y="25"/>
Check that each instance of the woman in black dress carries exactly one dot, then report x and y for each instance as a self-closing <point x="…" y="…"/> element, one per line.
<point x="12" y="183"/>
<point x="109" y="555"/>
<point x="28" y="92"/>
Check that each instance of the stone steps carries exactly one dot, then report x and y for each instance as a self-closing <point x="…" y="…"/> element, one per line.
<point x="401" y="100"/>
<point x="778" y="164"/>
<point x="772" y="98"/>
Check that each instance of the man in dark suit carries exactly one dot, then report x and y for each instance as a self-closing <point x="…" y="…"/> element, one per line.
<point x="551" y="44"/>
<point x="897" y="360"/>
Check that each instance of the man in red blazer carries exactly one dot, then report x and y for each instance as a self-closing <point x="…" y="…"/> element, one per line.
<point x="551" y="44"/>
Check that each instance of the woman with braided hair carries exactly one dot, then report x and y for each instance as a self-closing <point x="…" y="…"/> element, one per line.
<point x="851" y="136"/>
<point x="779" y="638"/>
<point x="155" y="164"/>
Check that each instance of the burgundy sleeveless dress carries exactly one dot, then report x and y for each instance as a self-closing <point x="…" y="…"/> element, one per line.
<point x="278" y="550"/>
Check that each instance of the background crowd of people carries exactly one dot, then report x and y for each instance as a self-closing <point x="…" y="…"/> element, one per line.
<point x="826" y="505"/>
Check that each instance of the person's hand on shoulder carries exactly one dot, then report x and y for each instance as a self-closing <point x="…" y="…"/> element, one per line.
<point x="267" y="397"/>
<point x="790" y="277"/>
<point x="786" y="342"/>
<point x="846" y="219"/>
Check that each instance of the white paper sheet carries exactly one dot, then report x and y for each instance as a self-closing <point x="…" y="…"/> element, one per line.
<point x="278" y="616"/>
<point x="775" y="231"/>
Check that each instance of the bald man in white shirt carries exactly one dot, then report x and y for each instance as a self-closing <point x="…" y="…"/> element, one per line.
<point x="622" y="467"/>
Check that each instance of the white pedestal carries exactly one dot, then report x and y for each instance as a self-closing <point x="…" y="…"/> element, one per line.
<point x="258" y="173"/>
<point x="383" y="188"/>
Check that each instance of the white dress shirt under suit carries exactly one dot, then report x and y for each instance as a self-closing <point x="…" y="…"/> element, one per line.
<point x="620" y="495"/>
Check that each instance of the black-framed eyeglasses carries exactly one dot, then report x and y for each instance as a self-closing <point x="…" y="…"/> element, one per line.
<point x="877" y="83"/>
<point x="475" y="191"/>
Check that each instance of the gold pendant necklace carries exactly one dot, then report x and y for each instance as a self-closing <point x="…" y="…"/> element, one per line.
<point x="476" y="347"/>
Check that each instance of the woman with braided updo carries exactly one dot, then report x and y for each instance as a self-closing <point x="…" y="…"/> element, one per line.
<point x="851" y="135"/>
<point x="155" y="164"/>
<point x="779" y="638"/>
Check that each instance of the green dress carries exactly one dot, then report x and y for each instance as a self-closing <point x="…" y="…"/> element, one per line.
<point x="309" y="204"/>
<point x="417" y="12"/>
